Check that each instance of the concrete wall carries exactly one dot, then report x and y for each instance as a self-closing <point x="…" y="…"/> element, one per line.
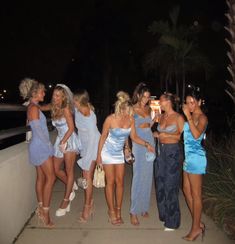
<point x="17" y="191"/>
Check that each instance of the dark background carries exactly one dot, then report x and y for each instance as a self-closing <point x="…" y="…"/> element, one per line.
<point x="100" y="45"/>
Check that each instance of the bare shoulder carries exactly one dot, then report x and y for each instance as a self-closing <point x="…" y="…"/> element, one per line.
<point x="33" y="112"/>
<point x="202" y="118"/>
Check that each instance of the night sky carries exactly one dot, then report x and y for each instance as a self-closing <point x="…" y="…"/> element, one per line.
<point x="86" y="42"/>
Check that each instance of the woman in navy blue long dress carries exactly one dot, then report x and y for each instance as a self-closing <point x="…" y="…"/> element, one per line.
<point x="195" y="160"/>
<point x="40" y="147"/>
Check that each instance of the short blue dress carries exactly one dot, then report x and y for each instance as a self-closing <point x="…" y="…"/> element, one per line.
<point x="112" y="151"/>
<point x="40" y="147"/>
<point x="195" y="155"/>
<point x="73" y="143"/>
<point x="89" y="136"/>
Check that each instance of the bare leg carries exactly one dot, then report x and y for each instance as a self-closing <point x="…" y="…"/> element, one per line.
<point x="119" y="180"/>
<point x="69" y="167"/>
<point x="40" y="181"/>
<point x="60" y="173"/>
<point x="109" y="192"/>
<point x="48" y="170"/>
<point x="187" y="192"/>
<point x="196" y="189"/>
<point x="88" y="207"/>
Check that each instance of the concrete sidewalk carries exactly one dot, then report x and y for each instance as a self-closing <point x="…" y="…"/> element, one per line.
<point x="97" y="230"/>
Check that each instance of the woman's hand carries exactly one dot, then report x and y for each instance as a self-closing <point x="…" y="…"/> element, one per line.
<point x="186" y="111"/>
<point x="150" y="148"/>
<point x="156" y="134"/>
<point x="63" y="146"/>
<point x="99" y="161"/>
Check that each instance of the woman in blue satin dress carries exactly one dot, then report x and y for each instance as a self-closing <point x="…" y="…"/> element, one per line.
<point x="116" y="129"/>
<point x="67" y="144"/>
<point x="40" y="148"/>
<point x="195" y="160"/>
<point x="143" y="167"/>
<point x="86" y="123"/>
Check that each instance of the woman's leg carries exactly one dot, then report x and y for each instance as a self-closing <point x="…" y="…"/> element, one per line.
<point x="40" y="181"/>
<point x="69" y="159"/>
<point x="187" y="192"/>
<point x="60" y="173"/>
<point x="119" y="181"/>
<point x="88" y="207"/>
<point x="196" y="189"/>
<point x="48" y="171"/>
<point x="88" y="175"/>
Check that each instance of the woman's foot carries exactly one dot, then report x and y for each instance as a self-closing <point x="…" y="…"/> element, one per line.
<point x="46" y="218"/>
<point x="134" y="219"/>
<point x="39" y="210"/>
<point x="193" y="235"/>
<point x="118" y="214"/>
<point x="64" y="208"/>
<point x="113" y="218"/>
<point x="88" y="211"/>
<point x="145" y="215"/>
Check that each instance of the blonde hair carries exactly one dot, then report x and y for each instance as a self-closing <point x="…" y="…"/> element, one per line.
<point x="83" y="98"/>
<point x="123" y="103"/>
<point x="28" y="87"/>
<point x="57" y="112"/>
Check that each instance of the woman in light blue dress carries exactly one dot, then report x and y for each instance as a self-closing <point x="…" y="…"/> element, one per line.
<point x="195" y="160"/>
<point x="116" y="129"/>
<point x="86" y="123"/>
<point x="143" y="167"/>
<point x="40" y="147"/>
<point x="66" y="144"/>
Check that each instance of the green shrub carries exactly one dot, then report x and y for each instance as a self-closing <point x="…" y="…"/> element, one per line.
<point x="219" y="183"/>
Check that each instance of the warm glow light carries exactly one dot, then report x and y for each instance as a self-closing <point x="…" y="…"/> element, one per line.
<point x="50" y="86"/>
<point x="4" y="91"/>
<point x="156" y="109"/>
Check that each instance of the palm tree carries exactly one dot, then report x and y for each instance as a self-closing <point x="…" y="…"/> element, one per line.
<point x="176" y="54"/>
<point x="231" y="42"/>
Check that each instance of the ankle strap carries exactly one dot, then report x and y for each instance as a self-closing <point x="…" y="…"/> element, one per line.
<point x="46" y="208"/>
<point x="66" y="200"/>
<point x="40" y="204"/>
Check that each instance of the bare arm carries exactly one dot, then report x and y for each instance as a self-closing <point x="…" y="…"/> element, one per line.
<point x="137" y="139"/>
<point x="198" y="129"/>
<point x="69" y="119"/>
<point x="45" y="107"/>
<point x="105" y="132"/>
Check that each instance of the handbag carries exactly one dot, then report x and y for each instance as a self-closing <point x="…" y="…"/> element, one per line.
<point x="127" y="150"/>
<point x="99" y="177"/>
<point x="82" y="182"/>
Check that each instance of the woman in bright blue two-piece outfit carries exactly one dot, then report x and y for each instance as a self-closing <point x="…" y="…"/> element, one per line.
<point x="85" y="120"/>
<point x="40" y="147"/>
<point x="116" y="129"/>
<point x="195" y="160"/>
<point x="143" y="166"/>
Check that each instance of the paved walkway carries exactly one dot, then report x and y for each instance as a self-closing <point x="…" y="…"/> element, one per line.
<point x="98" y="231"/>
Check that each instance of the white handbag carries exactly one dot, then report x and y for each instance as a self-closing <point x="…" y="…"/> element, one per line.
<point x="99" y="177"/>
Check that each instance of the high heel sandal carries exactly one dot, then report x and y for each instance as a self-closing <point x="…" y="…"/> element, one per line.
<point x="62" y="211"/>
<point x="90" y="212"/>
<point x="202" y="233"/>
<point x="38" y="210"/>
<point x="118" y="214"/>
<point x="145" y="215"/>
<point x="47" y="223"/>
<point x="134" y="219"/>
<point x="113" y="218"/>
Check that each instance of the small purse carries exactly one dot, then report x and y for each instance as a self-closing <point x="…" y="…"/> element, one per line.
<point x="99" y="177"/>
<point x="129" y="157"/>
<point x="82" y="182"/>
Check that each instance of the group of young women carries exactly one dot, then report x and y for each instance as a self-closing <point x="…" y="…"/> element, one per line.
<point x="131" y="119"/>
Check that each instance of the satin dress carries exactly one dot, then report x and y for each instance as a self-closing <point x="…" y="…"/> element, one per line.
<point x="73" y="143"/>
<point x="112" y="151"/>
<point x="195" y="155"/>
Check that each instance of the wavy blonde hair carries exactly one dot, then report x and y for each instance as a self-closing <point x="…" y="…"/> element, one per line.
<point x="56" y="111"/>
<point x="83" y="98"/>
<point x="29" y="87"/>
<point x="123" y="103"/>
